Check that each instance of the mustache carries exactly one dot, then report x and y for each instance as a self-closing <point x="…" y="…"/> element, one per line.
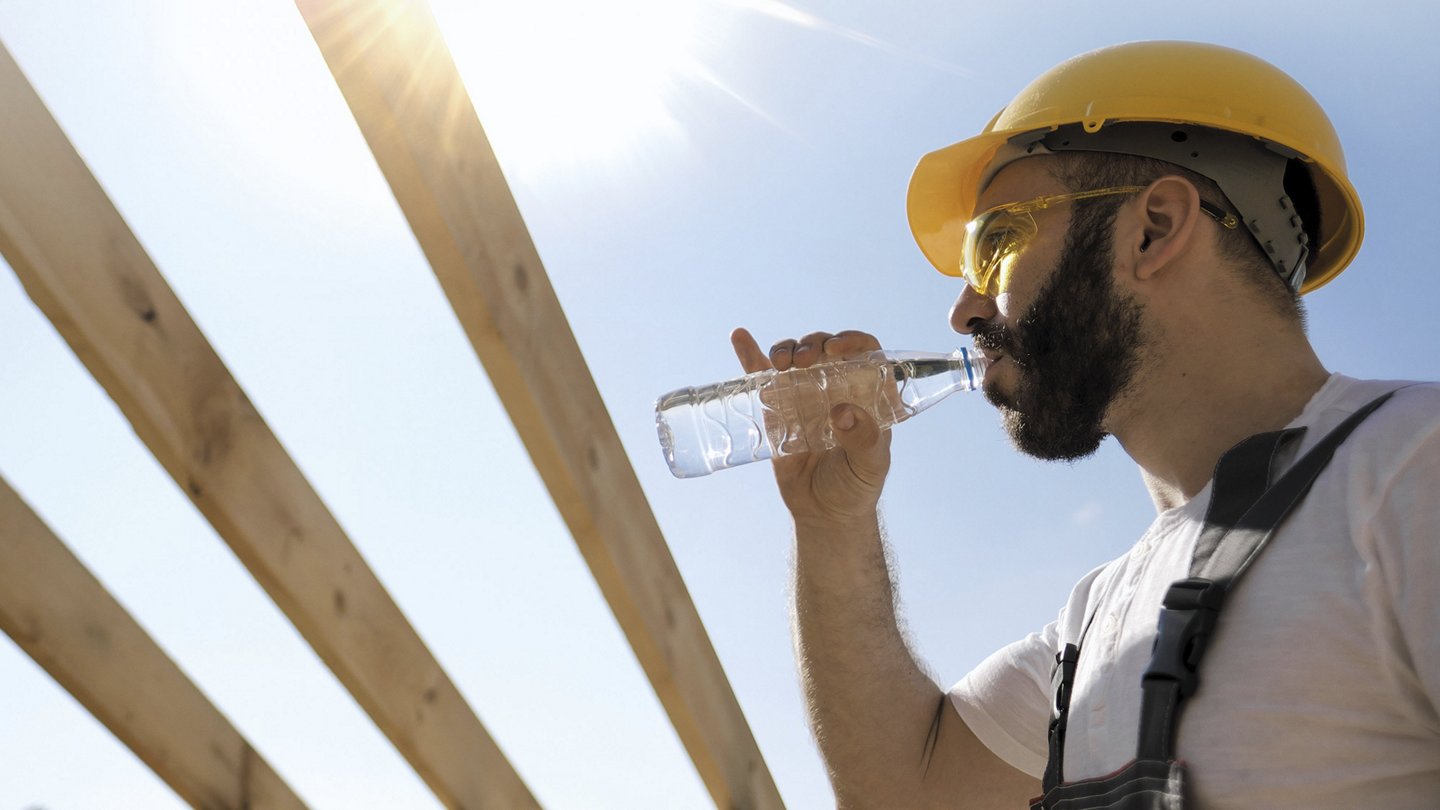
<point x="997" y="339"/>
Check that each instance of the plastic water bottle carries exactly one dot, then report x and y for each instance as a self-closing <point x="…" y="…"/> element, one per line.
<point x="781" y="413"/>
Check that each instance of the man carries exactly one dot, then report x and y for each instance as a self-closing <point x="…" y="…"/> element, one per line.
<point x="1135" y="229"/>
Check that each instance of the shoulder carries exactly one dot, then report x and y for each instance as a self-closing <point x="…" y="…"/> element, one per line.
<point x="1344" y="395"/>
<point x="1407" y="425"/>
<point x="1070" y="624"/>
<point x="1384" y="477"/>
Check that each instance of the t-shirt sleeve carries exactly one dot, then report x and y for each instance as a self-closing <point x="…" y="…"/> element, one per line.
<point x="1006" y="702"/>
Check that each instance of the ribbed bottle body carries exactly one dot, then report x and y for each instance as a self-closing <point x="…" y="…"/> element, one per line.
<point x="771" y="413"/>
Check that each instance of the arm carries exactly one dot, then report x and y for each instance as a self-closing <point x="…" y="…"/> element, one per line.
<point x="887" y="732"/>
<point x="889" y="735"/>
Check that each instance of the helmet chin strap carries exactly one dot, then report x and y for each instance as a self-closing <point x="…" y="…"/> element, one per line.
<point x="1249" y="171"/>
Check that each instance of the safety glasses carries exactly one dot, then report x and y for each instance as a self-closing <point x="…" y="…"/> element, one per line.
<point x="996" y="238"/>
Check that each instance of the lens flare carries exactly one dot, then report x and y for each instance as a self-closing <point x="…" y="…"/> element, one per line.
<point x="561" y="83"/>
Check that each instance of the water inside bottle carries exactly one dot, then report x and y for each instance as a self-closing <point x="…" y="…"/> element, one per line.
<point x="796" y="405"/>
<point x="783" y="413"/>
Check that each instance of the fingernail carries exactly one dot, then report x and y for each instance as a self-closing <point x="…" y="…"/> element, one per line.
<point x="845" y="420"/>
<point x="803" y="347"/>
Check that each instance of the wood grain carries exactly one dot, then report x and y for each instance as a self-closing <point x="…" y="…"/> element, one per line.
<point x="65" y="619"/>
<point x="84" y="268"/>
<point x="397" y="75"/>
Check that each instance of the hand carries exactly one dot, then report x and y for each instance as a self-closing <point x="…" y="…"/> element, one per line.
<point x="833" y="486"/>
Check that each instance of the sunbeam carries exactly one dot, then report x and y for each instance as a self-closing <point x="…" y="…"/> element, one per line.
<point x="567" y="85"/>
<point x="784" y="12"/>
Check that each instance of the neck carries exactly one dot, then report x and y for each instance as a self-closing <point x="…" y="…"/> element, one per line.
<point x="1198" y="397"/>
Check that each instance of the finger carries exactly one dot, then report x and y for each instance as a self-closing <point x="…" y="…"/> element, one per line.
<point x="809" y="350"/>
<point x="851" y="343"/>
<point x="751" y="358"/>
<point x="865" y="445"/>
<point x="782" y="354"/>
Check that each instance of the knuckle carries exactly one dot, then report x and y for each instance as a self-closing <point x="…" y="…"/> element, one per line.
<point x="781" y="354"/>
<point x="857" y="337"/>
<point x="851" y="343"/>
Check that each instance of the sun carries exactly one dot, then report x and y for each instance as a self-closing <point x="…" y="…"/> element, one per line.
<point x="565" y="83"/>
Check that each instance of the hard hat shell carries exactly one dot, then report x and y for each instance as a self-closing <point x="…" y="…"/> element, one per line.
<point x="1177" y="82"/>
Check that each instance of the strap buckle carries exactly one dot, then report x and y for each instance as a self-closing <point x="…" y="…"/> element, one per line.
<point x="1187" y="620"/>
<point x="1062" y="681"/>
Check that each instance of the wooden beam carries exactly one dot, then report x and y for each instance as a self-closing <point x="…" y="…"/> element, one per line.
<point x="397" y="75"/>
<point x="62" y="617"/>
<point x="84" y="268"/>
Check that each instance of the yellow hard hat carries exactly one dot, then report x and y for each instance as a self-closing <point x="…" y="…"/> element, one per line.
<point x="1201" y="85"/>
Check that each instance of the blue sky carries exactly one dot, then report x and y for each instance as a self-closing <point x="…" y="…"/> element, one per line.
<point x="684" y="168"/>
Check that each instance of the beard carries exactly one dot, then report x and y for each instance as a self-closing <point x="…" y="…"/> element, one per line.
<point x="1075" y="350"/>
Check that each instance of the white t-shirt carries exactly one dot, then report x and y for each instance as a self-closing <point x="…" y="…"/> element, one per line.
<point x="1322" y="685"/>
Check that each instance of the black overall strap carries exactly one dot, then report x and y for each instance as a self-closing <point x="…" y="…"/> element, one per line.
<point x="1062" y="686"/>
<point x="1241" y="476"/>
<point x="1254" y="529"/>
<point x="1244" y="515"/>
<point x="1062" y="683"/>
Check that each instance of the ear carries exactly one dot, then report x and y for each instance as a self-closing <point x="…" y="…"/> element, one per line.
<point x="1163" y="228"/>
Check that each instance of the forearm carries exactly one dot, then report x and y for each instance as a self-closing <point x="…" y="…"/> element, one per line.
<point x="888" y="734"/>
<point x="871" y="705"/>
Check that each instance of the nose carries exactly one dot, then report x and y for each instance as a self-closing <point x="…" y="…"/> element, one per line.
<point x="971" y="307"/>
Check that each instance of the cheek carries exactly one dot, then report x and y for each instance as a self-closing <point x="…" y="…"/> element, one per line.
<point x="1005" y="305"/>
<point x="1027" y="275"/>
<point x="1025" y="278"/>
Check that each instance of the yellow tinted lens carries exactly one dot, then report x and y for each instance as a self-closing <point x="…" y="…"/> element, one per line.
<point x="990" y="240"/>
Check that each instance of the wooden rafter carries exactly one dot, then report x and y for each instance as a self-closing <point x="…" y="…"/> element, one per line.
<point x="397" y="75"/>
<point x="83" y="267"/>
<point x="61" y="616"/>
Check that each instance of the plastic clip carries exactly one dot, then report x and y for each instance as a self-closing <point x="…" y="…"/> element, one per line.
<point x="1064" y="678"/>
<point x="1187" y="621"/>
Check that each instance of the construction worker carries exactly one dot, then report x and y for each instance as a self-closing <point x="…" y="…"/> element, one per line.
<point x="1132" y="215"/>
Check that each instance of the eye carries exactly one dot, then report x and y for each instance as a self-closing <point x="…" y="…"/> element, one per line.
<point x="994" y="245"/>
<point x="993" y="240"/>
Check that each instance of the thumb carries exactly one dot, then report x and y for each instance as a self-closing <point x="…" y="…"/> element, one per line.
<point x="860" y="436"/>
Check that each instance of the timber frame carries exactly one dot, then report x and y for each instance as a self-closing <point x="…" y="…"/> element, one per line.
<point x="83" y="267"/>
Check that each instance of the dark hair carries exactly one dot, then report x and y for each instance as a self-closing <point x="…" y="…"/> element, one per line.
<point x="1080" y="171"/>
